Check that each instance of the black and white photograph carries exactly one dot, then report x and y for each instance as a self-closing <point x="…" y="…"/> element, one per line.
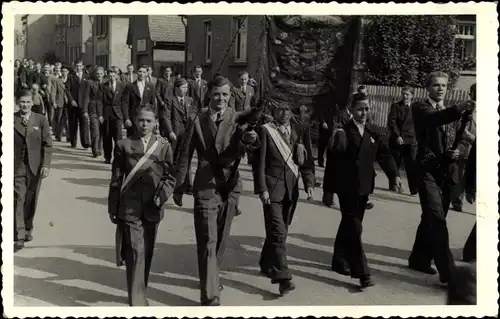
<point x="256" y="157"/>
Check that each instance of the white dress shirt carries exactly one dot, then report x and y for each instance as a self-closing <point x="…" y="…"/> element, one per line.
<point x="145" y="141"/>
<point x="141" y="85"/>
<point x="437" y="105"/>
<point x="214" y="114"/>
<point x="360" y="126"/>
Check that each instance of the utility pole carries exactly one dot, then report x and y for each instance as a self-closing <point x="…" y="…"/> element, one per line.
<point x="184" y="22"/>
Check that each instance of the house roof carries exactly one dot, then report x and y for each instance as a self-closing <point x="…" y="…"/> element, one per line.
<point x="164" y="28"/>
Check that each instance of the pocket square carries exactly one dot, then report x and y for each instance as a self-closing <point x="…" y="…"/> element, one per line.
<point x="36" y="128"/>
<point x="372" y="140"/>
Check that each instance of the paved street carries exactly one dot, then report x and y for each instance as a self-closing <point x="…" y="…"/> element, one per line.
<point x="71" y="260"/>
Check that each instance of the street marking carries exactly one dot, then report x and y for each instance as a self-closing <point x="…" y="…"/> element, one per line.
<point x="32" y="273"/>
<point x="89" y="285"/>
<point x="25" y="301"/>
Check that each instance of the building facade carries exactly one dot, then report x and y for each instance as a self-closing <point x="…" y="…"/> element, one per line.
<point x="210" y="44"/>
<point x="158" y="41"/>
<point x="210" y="37"/>
<point x="96" y="39"/>
<point x="39" y="33"/>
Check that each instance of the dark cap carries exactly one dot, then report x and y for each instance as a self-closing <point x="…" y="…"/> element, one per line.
<point x="179" y="82"/>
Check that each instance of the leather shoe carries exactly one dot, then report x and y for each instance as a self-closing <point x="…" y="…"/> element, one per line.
<point x="426" y="269"/>
<point x="366" y="281"/>
<point x="18" y="245"/>
<point x="286" y="286"/>
<point x="28" y="237"/>
<point x="212" y="302"/>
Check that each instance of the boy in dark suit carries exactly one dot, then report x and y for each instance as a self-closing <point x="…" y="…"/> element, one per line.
<point x="140" y="185"/>
<point x="357" y="145"/>
<point x="174" y="118"/>
<point x="244" y="94"/>
<point x="32" y="155"/>
<point x="402" y="138"/>
<point x="430" y="118"/>
<point x="136" y="94"/>
<point x="284" y="154"/>
<point x="92" y="108"/>
<point x="219" y="142"/>
<point x="112" y="113"/>
<point x="198" y="87"/>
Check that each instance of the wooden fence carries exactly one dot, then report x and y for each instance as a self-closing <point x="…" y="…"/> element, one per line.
<point x="381" y="98"/>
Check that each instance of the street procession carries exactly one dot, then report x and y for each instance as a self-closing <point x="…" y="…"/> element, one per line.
<point x="260" y="160"/>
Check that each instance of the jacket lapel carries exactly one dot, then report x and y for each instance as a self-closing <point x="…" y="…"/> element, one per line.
<point x="136" y="89"/>
<point x="137" y="148"/>
<point x="209" y="129"/>
<point x="18" y="124"/>
<point x="178" y="105"/>
<point x="31" y="124"/>
<point x="442" y="128"/>
<point x="354" y="132"/>
<point x="222" y="137"/>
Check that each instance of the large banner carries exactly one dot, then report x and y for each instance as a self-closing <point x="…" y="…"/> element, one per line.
<point x="299" y="59"/>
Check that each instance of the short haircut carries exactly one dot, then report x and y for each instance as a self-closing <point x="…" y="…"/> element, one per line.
<point x="434" y="75"/>
<point x="78" y="61"/>
<point x="130" y="65"/>
<point x="58" y="64"/>
<point x="24" y="93"/>
<point x="148" y="107"/>
<point x="361" y="87"/>
<point x="243" y="73"/>
<point x="408" y="88"/>
<point x="143" y="66"/>
<point x="197" y="67"/>
<point x="112" y="70"/>
<point x="218" y="81"/>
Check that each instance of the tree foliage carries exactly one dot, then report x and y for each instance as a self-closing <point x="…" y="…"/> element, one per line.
<point x="402" y="50"/>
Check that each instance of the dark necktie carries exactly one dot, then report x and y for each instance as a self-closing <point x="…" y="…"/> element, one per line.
<point x="218" y="120"/>
<point x="284" y="132"/>
<point x="24" y="120"/>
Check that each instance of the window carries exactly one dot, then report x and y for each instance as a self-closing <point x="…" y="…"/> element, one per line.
<point x="240" y="25"/>
<point x="465" y="39"/>
<point x="101" y="27"/>
<point x="102" y="60"/>
<point x="208" y="41"/>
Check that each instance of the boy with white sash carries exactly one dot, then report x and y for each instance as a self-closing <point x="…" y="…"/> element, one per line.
<point x="141" y="184"/>
<point x="284" y="154"/>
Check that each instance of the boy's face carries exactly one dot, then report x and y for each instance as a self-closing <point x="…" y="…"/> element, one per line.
<point x="25" y="104"/>
<point x="282" y="114"/>
<point x="220" y="97"/>
<point x="112" y="76"/>
<point x="437" y="88"/>
<point x="181" y="90"/>
<point x="145" y="122"/>
<point x="360" y="111"/>
<point x="244" y="79"/>
<point x="35" y="88"/>
<point x="141" y="74"/>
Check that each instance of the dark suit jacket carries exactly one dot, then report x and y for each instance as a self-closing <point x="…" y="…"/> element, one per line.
<point x="132" y="98"/>
<point x="164" y="89"/>
<point x="136" y="200"/>
<point x="38" y="142"/>
<point x="244" y="100"/>
<point x="272" y="173"/>
<point x="429" y="131"/>
<point x="353" y="166"/>
<point x="92" y="97"/>
<point x="174" y="117"/>
<point x="400" y="123"/>
<point x="126" y="78"/>
<point x="74" y="85"/>
<point x="34" y="77"/>
<point x="222" y="145"/>
<point x="470" y="171"/>
<point x="198" y="91"/>
<point x="112" y="101"/>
